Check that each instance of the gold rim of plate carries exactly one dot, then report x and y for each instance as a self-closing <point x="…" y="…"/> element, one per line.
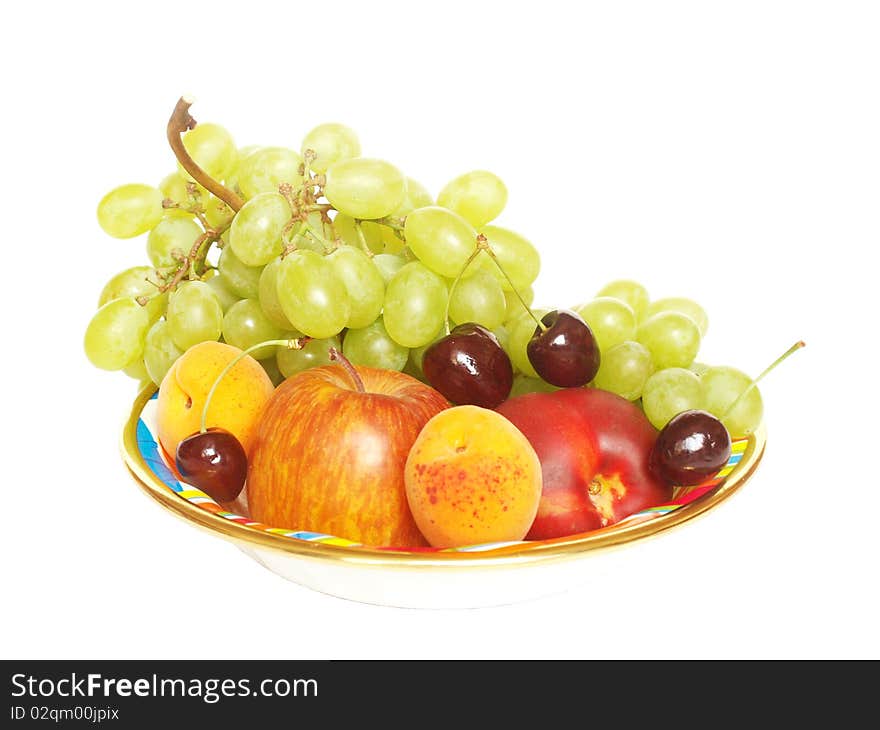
<point x="529" y="552"/>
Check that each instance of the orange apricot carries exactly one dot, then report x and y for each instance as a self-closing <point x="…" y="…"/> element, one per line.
<point x="472" y="477"/>
<point x="236" y="404"/>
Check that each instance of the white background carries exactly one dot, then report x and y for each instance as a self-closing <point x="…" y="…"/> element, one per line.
<point x="729" y="152"/>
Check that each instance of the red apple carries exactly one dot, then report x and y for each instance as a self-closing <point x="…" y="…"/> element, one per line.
<point x="330" y="450"/>
<point x="593" y="447"/>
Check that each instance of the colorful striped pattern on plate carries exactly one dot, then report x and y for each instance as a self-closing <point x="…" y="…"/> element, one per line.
<point x="155" y="458"/>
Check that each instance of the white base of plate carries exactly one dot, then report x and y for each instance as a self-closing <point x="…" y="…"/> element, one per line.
<point x="451" y="585"/>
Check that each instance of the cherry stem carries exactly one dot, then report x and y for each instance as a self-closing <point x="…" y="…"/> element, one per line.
<point x="363" y="239"/>
<point x="349" y="368"/>
<point x="295" y="344"/>
<point x="483" y="242"/>
<point x="181" y="121"/>
<point x="794" y="348"/>
<point x="481" y="246"/>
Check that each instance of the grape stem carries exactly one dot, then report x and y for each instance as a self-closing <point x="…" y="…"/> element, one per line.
<point x="309" y="156"/>
<point x="295" y="344"/>
<point x="794" y="348"/>
<point x="290" y="243"/>
<point x="349" y="368"/>
<point x="182" y="121"/>
<point x="189" y="261"/>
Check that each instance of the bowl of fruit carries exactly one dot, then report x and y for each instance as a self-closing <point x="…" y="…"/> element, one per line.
<point x="348" y="379"/>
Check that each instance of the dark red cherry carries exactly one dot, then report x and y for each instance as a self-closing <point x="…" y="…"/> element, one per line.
<point x="693" y="447"/>
<point x="213" y="461"/>
<point x="565" y="354"/>
<point x="469" y="367"/>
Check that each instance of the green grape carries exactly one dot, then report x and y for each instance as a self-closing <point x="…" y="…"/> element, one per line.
<point x="627" y="291"/>
<point x="179" y="213"/>
<point x="611" y="320"/>
<point x="265" y="169"/>
<point x="478" y="299"/>
<point x="478" y="197"/>
<point x="173" y="233"/>
<point x="502" y="334"/>
<point x="442" y="240"/>
<point x="312" y="296"/>
<point x="268" y="296"/>
<point x="217" y="212"/>
<point x="624" y="369"/>
<point x="672" y="338"/>
<point x="388" y="264"/>
<point x="346" y="229"/>
<point x="318" y="227"/>
<point x="135" y="282"/>
<point x="515" y="254"/>
<point x="392" y="242"/>
<point x="245" y="152"/>
<point x="331" y="143"/>
<point x="411" y="370"/>
<point x="415" y="305"/>
<point x="213" y="149"/>
<point x="130" y="210"/>
<point x="115" y="336"/>
<point x="372" y="347"/>
<point x="270" y="365"/>
<point x="364" y="188"/>
<point x="723" y="386"/>
<point x="417" y="196"/>
<point x="669" y="392"/>
<point x="523" y="384"/>
<point x="224" y="294"/>
<point x="363" y="282"/>
<point x="417" y="354"/>
<point x="316" y="236"/>
<point x="255" y="234"/>
<point x="194" y="315"/>
<point x="316" y="352"/>
<point x="521" y="331"/>
<point x="245" y="325"/>
<point x="160" y="352"/>
<point x="138" y="371"/>
<point x="698" y="368"/>
<point x="174" y="188"/>
<point x="244" y="281"/>
<point x="231" y="180"/>
<point x="514" y="307"/>
<point x="682" y="306"/>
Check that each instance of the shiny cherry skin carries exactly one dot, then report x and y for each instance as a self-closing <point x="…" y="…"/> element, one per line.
<point x="213" y="461"/>
<point x="693" y="447"/>
<point x="469" y="367"/>
<point x="565" y="354"/>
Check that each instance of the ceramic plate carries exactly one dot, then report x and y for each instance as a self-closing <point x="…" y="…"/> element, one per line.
<point x="478" y="575"/>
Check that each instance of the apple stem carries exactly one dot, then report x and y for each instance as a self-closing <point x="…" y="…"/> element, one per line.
<point x="296" y="344"/>
<point x="483" y="245"/>
<point x="181" y="121"/>
<point x="349" y="368"/>
<point x="794" y="348"/>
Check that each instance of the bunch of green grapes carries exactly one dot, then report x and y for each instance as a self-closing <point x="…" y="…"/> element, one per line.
<point x="648" y="355"/>
<point x="268" y="243"/>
